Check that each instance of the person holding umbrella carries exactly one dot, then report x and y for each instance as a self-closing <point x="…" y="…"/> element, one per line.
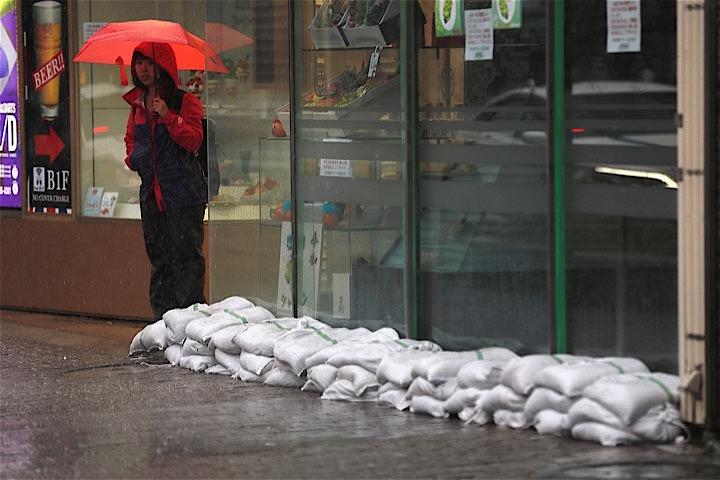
<point x="164" y="129"/>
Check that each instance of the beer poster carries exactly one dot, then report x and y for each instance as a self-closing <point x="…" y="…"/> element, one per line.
<point x="47" y="115"/>
<point x="10" y="151"/>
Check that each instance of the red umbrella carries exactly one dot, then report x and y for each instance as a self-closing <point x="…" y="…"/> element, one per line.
<point x="115" y="42"/>
<point x="222" y="38"/>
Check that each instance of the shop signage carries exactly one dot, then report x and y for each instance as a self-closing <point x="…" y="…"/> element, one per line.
<point x="479" y="41"/>
<point x="623" y="26"/>
<point x="448" y="18"/>
<point x="332" y="167"/>
<point x="47" y="116"/>
<point x="10" y="145"/>
<point x="93" y="197"/>
<point x="507" y="13"/>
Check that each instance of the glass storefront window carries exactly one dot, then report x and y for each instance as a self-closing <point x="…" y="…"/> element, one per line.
<point x="349" y="161"/>
<point x="483" y="201"/>
<point x="622" y="187"/>
<point x="102" y="113"/>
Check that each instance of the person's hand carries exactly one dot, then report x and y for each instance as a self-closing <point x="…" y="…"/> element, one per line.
<point x="159" y="106"/>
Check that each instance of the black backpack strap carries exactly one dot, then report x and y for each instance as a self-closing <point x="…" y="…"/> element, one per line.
<point x="174" y="103"/>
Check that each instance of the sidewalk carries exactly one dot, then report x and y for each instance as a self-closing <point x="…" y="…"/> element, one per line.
<point x="73" y="405"/>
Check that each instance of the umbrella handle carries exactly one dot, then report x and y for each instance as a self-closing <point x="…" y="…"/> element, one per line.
<point x="123" y="75"/>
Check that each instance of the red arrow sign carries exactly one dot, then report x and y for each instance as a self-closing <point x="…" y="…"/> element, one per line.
<point x="50" y="145"/>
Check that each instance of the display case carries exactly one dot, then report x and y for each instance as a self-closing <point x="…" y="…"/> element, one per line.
<point x="349" y="154"/>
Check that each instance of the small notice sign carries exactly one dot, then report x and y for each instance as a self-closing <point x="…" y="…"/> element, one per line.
<point x="89" y="28"/>
<point x="107" y="204"/>
<point x="93" y="198"/>
<point x="623" y="26"/>
<point x="479" y="40"/>
<point x="331" y="167"/>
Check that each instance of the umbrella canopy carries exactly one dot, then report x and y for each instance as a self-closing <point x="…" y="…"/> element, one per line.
<point x="223" y="38"/>
<point x="114" y="44"/>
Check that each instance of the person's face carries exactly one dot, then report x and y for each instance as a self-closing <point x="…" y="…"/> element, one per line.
<point x="145" y="70"/>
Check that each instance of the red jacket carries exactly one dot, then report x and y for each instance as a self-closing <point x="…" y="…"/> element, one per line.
<point x="161" y="150"/>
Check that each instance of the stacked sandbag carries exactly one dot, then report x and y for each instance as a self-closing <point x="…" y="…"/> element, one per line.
<point x="474" y="380"/>
<point x="198" y="350"/>
<point x="558" y="387"/>
<point x="504" y="404"/>
<point x="394" y="374"/>
<point x="626" y="409"/>
<point x="357" y="363"/>
<point x="152" y="337"/>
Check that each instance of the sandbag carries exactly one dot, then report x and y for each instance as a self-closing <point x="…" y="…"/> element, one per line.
<point x="152" y="337"/>
<point x="361" y="380"/>
<point x="502" y="397"/>
<point x="605" y="435"/>
<point x="230" y="361"/>
<point x="420" y="387"/>
<point x="481" y="374"/>
<point x="550" y="422"/>
<point x="193" y="347"/>
<point x="173" y="354"/>
<point x="475" y="415"/>
<point x="202" y="329"/>
<point x="260" y="338"/>
<point x="197" y="363"/>
<point x="630" y="396"/>
<point x="661" y="424"/>
<point x="364" y="354"/>
<point x="218" y="370"/>
<point x="543" y="398"/>
<point x="222" y="339"/>
<point x="343" y="390"/>
<point x="397" y="367"/>
<point x="177" y="319"/>
<point x="428" y="405"/>
<point x="394" y="397"/>
<point x="463" y="398"/>
<point x="230" y="303"/>
<point x="571" y="379"/>
<point x="508" y="419"/>
<point x="257" y="364"/>
<point x="252" y="314"/>
<point x="297" y="345"/>
<point x="250" y="377"/>
<point x="519" y="374"/>
<point x="319" y="378"/>
<point x="281" y="375"/>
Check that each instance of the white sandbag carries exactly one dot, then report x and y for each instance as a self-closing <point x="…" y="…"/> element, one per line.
<point x="550" y="422"/>
<point x="495" y="354"/>
<point x="201" y="329"/>
<point x="319" y="378"/>
<point x="397" y="367"/>
<point x="571" y="379"/>
<point x="543" y="398"/>
<point x="152" y="337"/>
<point x="475" y="415"/>
<point x="630" y="396"/>
<point x="519" y="374"/>
<point x="661" y="424"/>
<point x="508" y="419"/>
<point x="444" y="369"/>
<point x="222" y="339"/>
<point x="177" y="319"/>
<point x="299" y="344"/>
<point x="394" y="397"/>
<point x="230" y="303"/>
<point x="481" y="374"/>
<point x="230" y="361"/>
<point x="362" y="380"/>
<point x="428" y="406"/>
<point x="281" y="375"/>
<point x="193" y="347"/>
<point x="446" y="390"/>
<point x="173" y="354"/>
<point x="197" y="363"/>
<point x="252" y="314"/>
<point x="420" y="367"/>
<point x="502" y="397"/>
<point x="364" y="354"/>
<point x="257" y="364"/>
<point x="605" y="435"/>
<point x="420" y="387"/>
<point x="463" y="398"/>
<point x="419" y="345"/>
<point x="259" y="338"/>
<point x="343" y="390"/>
<point x="218" y="370"/>
<point x="250" y="377"/>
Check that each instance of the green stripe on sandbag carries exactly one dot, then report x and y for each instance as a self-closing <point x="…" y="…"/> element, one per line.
<point x="613" y="364"/>
<point x="401" y="344"/>
<point x="479" y="355"/>
<point x="323" y="336"/>
<point x="559" y="360"/>
<point x="233" y="314"/>
<point x="280" y="327"/>
<point x="661" y="385"/>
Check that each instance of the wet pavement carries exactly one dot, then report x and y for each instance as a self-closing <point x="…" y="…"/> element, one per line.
<point x="72" y="405"/>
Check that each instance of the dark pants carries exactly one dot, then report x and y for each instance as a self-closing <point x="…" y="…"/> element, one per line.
<point x="173" y="241"/>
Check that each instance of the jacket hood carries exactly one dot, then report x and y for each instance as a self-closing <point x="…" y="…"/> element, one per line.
<point x="163" y="56"/>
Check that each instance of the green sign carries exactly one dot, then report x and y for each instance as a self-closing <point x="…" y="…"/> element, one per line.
<point x="506" y="13"/>
<point x="448" y="18"/>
